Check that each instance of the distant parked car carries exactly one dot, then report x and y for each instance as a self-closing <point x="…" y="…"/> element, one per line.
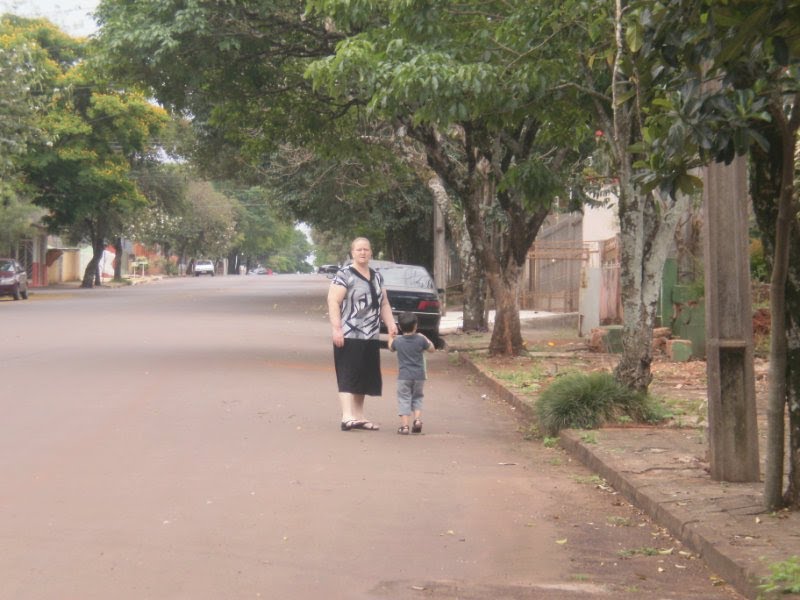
<point x="13" y="279"/>
<point x="411" y="288"/>
<point x="203" y="267"/>
<point x="260" y="271"/>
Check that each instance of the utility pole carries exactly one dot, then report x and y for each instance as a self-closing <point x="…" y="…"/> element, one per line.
<point x="732" y="426"/>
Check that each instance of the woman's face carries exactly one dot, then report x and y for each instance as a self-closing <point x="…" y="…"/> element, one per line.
<point x="361" y="251"/>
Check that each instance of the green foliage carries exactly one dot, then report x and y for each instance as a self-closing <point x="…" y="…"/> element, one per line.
<point x="784" y="577"/>
<point x="550" y="442"/>
<point x="586" y="401"/>
<point x="20" y="78"/>
<point x="77" y="165"/>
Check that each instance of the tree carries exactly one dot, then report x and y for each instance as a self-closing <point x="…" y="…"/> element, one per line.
<point x="19" y="82"/>
<point x="80" y="167"/>
<point x="626" y="77"/>
<point x="237" y="69"/>
<point x="264" y="234"/>
<point x="83" y="178"/>
<point x="239" y="73"/>
<point x="366" y="190"/>
<point x="474" y="78"/>
<point x="207" y="229"/>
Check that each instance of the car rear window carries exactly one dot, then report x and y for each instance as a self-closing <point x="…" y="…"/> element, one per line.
<point x="407" y="277"/>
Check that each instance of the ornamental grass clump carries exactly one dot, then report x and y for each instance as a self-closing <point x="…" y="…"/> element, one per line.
<point x="586" y="401"/>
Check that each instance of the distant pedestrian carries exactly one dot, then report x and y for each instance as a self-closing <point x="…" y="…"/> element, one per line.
<point x="412" y="372"/>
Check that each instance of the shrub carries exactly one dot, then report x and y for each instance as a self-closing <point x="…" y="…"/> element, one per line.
<point x="784" y="577"/>
<point x="586" y="401"/>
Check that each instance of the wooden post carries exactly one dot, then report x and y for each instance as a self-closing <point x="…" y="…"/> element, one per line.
<point x="733" y="430"/>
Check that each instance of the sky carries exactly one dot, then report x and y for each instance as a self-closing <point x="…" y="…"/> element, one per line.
<point x="72" y="16"/>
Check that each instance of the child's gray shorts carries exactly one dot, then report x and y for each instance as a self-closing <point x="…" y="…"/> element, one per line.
<point x="409" y="395"/>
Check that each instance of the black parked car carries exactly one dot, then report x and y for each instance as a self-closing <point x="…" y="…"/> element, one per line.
<point x="328" y="269"/>
<point x="13" y="279"/>
<point x="411" y="288"/>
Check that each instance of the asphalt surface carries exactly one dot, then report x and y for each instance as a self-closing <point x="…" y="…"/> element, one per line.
<point x="664" y="472"/>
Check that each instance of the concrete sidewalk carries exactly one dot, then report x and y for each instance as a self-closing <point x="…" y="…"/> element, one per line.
<point x="453" y="320"/>
<point x="664" y="472"/>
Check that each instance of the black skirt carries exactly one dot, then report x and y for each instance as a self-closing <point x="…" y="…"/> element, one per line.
<point x="358" y="367"/>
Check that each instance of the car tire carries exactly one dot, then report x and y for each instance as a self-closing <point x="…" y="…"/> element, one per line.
<point x="16" y="294"/>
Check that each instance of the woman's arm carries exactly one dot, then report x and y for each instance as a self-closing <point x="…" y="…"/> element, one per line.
<point x="336" y="294"/>
<point x="386" y="314"/>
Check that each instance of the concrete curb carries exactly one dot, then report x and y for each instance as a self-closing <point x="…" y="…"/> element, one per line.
<point x="695" y="535"/>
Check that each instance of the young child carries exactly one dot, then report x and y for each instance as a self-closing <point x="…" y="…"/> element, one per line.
<point x="410" y="348"/>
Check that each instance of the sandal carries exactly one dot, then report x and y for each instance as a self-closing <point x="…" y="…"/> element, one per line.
<point x="348" y="425"/>
<point x="417" y="426"/>
<point x="403" y="430"/>
<point x="368" y="425"/>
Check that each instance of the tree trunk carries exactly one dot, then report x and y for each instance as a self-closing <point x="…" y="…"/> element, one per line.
<point x="778" y="356"/>
<point x="91" y="275"/>
<point x="647" y="227"/>
<point x="778" y="364"/>
<point x="772" y="190"/>
<point x="118" y="261"/>
<point x="473" y="285"/>
<point x="791" y="498"/>
<point x="506" y="333"/>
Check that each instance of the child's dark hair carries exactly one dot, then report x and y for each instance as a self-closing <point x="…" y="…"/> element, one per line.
<point x="407" y="322"/>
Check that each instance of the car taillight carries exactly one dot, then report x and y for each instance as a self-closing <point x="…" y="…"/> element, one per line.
<point x="428" y="305"/>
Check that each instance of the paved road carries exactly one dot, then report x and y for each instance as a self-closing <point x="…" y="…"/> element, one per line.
<point x="180" y="440"/>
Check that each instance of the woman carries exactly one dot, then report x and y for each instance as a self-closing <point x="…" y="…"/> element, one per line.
<point x="357" y="303"/>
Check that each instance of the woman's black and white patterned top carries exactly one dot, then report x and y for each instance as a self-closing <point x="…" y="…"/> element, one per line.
<point x="361" y="308"/>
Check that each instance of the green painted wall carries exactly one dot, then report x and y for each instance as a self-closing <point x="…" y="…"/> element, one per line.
<point x="683" y="309"/>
